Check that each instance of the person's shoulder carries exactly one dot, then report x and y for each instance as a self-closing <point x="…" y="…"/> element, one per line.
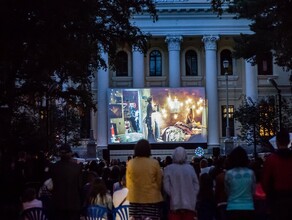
<point x="229" y="172"/>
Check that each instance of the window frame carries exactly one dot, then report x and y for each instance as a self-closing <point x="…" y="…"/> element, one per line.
<point x="123" y="61"/>
<point x="157" y="66"/>
<point x="195" y="59"/>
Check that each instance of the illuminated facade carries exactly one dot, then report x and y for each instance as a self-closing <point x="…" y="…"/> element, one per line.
<point x="188" y="46"/>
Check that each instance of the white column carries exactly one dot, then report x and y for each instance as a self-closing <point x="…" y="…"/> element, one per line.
<point x="103" y="85"/>
<point x="250" y="81"/>
<point x="174" y="59"/>
<point x="138" y="68"/>
<point x="212" y="89"/>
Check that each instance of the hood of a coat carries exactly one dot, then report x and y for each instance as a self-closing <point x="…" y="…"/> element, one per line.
<point x="179" y="155"/>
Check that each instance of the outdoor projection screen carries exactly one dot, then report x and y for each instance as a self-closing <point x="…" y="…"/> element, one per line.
<point x="160" y="115"/>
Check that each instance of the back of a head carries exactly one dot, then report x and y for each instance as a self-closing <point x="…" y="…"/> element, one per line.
<point x="65" y="152"/>
<point x="238" y="158"/>
<point x="29" y="194"/>
<point x="179" y="155"/>
<point x="142" y="148"/>
<point x="98" y="187"/>
<point x="204" y="163"/>
<point x="282" y="139"/>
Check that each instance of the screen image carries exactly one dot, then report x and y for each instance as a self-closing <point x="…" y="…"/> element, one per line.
<point x="160" y="115"/>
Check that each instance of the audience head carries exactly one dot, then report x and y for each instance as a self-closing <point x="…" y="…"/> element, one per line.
<point x="98" y="187"/>
<point x="168" y="160"/>
<point x="142" y="148"/>
<point x="238" y="158"/>
<point x="282" y="139"/>
<point x="204" y="163"/>
<point x="115" y="172"/>
<point x="29" y="194"/>
<point x="179" y="155"/>
<point x="65" y="152"/>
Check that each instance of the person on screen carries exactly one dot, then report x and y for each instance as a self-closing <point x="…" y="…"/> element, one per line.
<point x="190" y="121"/>
<point x="133" y="118"/>
<point x="149" y="119"/>
<point x="190" y="117"/>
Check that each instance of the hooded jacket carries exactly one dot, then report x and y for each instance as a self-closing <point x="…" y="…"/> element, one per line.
<point x="180" y="182"/>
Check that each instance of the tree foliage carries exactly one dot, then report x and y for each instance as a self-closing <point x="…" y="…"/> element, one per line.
<point x="46" y="44"/>
<point x="259" y="121"/>
<point x="271" y="22"/>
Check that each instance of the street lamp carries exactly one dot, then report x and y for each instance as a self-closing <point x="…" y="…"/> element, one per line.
<point x="225" y="66"/>
<point x="273" y="83"/>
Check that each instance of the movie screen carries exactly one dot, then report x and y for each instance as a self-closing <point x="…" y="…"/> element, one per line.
<point x="159" y="115"/>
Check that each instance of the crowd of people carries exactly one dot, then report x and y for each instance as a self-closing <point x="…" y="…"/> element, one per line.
<point x="231" y="187"/>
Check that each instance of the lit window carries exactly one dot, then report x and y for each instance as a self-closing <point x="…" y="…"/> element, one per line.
<point x="224" y="120"/>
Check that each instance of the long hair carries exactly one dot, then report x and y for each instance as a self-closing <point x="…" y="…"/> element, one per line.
<point x="98" y="187"/>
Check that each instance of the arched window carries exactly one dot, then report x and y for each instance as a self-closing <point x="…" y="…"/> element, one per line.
<point x="265" y="64"/>
<point x="226" y="55"/>
<point x="122" y="64"/>
<point x="191" y="60"/>
<point x="155" y="63"/>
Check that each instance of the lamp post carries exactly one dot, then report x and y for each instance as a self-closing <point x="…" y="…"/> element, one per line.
<point x="225" y="66"/>
<point x="273" y="83"/>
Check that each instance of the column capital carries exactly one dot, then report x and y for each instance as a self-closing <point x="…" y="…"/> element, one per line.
<point x="173" y="42"/>
<point x="210" y="42"/>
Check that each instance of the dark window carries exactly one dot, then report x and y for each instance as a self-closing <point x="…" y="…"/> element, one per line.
<point x="191" y="63"/>
<point x="224" y="120"/>
<point x="155" y="63"/>
<point x="122" y="64"/>
<point x="226" y="55"/>
<point x="265" y="64"/>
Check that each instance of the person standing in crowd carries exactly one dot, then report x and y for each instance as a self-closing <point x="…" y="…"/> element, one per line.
<point x="240" y="183"/>
<point x="277" y="178"/>
<point x="218" y="174"/>
<point x="144" y="182"/>
<point x="67" y="185"/>
<point x="181" y="183"/>
<point x="206" y="206"/>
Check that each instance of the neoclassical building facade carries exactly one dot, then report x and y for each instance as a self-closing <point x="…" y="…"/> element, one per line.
<point x="187" y="48"/>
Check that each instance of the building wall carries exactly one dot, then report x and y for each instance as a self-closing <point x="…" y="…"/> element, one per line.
<point x="190" y="22"/>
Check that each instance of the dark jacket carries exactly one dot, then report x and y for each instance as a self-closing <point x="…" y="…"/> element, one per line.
<point x="67" y="181"/>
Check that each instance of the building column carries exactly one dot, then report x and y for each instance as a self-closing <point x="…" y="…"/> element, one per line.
<point x="250" y="81"/>
<point x="174" y="59"/>
<point x="103" y="85"/>
<point x="138" y="68"/>
<point x="212" y="89"/>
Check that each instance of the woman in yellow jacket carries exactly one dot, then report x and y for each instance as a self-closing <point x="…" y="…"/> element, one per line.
<point x="144" y="179"/>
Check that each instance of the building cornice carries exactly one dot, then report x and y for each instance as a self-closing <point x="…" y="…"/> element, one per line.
<point x="190" y="18"/>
